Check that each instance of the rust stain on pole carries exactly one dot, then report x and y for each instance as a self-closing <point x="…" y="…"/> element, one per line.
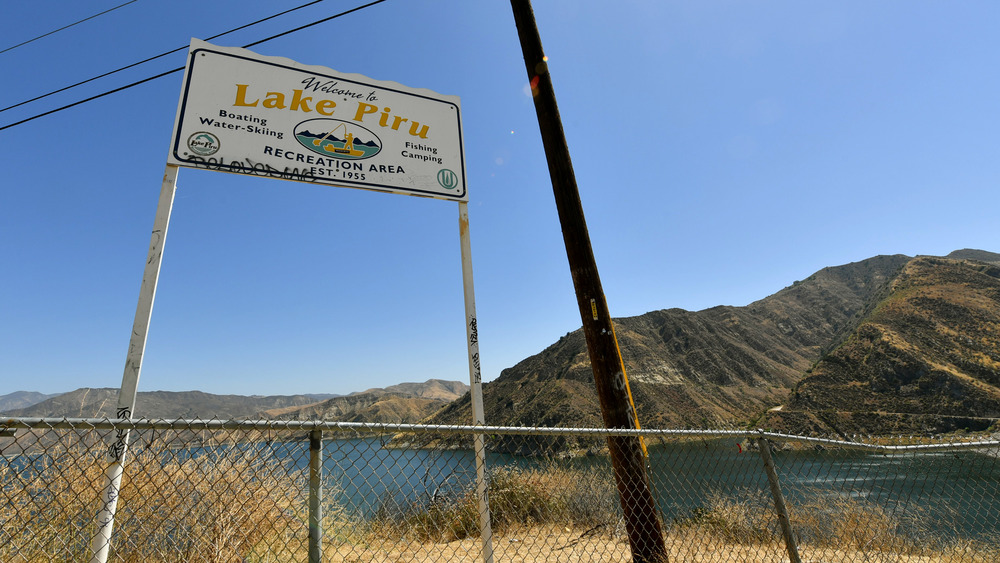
<point x="627" y="457"/>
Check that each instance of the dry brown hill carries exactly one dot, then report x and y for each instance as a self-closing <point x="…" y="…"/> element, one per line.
<point x="430" y="389"/>
<point x="926" y="357"/>
<point x="977" y="255"/>
<point x="364" y="407"/>
<point x="402" y="403"/>
<point x="718" y="367"/>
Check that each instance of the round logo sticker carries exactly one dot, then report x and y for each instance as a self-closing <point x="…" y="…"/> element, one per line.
<point x="203" y="143"/>
<point x="447" y="179"/>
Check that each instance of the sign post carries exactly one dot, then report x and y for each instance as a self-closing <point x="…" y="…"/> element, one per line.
<point x="101" y="542"/>
<point x="476" y="382"/>
<point x="248" y="114"/>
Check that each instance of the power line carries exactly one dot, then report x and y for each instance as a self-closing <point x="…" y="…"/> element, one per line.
<point x="92" y="98"/>
<point x="300" y="28"/>
<point x="162" y="74"/>
<point x="36" y="98"/>
<point x="68" y="26"/>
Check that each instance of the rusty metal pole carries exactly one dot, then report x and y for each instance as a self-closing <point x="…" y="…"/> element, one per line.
<point x="627" y="457"/>
<point x="779" y="499"/>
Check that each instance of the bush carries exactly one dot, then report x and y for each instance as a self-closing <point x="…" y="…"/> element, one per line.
<point x="519" y="498"/>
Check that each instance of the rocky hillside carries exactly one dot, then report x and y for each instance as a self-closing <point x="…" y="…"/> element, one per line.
<point x="925" y="358"/>
<point x="710" y="368"/>
<point x="727" y="366"/>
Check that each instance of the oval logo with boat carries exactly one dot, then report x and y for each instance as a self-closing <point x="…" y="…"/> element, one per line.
<point x="337" y="139"/>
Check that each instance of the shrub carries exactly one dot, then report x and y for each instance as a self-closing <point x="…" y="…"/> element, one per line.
<point x="519" y="498"/>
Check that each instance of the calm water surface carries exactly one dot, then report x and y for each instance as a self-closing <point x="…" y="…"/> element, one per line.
<point x="960" y="490"/>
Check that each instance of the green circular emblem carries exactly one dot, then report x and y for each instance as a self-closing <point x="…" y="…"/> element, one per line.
<point x="447" y="179"/>
<point x="204" y="143"/>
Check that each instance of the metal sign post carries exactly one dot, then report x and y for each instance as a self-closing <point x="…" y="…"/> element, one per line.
<point x="475" y="382"/>
<point x="133" y="365"/>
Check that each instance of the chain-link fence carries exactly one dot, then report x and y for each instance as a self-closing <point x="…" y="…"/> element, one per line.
<point x="256" y="491"/>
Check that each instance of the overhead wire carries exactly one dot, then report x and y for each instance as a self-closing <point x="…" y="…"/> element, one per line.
<point x="67" y="26"/>
<point x="36" y="98"/>
<point x="162" y="74"/>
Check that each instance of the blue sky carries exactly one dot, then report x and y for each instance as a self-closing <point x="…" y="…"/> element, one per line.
<point x="723" y="150"/>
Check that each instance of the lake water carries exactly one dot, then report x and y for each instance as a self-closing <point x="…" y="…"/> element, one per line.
<point x="956" y="492"/>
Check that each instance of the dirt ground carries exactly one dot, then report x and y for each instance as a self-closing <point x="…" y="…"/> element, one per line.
<point x="561" y="545"/>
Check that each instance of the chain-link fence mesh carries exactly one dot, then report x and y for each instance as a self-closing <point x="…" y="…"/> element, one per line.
<point x="245" y="492"/>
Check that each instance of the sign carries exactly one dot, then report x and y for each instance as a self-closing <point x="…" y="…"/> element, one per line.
<point x="272" y="117"/>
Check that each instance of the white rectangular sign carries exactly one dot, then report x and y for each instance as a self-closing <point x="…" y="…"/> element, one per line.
<point x="270" y="116"/>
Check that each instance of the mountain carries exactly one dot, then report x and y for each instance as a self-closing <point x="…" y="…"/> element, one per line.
<point x="729" y="366"/>
<point x="97" y="403"/>
<point x="22" y="399"/>
<point x="925" y="358"/>
<point x="978" y="255"/>
<point x="430" y="389"/>
<point x="403" y="403"/>
<point x="406" y="402"/>
<point x="884" y="345"/>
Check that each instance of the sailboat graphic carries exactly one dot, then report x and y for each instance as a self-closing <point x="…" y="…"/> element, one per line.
<point x="342" y="140"/>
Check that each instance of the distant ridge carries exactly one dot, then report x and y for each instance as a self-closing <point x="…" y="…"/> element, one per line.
<point x="22" y="399"/>
<point x="978" y="255"/>
<point x="89" y="402"/>
<point x="430" y="389"/>
<point x="412" y="400"/>
<point x="403" y="403"/>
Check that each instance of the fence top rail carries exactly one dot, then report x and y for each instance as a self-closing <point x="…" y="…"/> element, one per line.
<point x="941" y="443"/>
<point x="303" y="425"/>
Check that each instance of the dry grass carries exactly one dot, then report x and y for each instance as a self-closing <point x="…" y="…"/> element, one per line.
<point x="232" y="507"/>
<point x="832" y="529"/>
<point x="247" y="507"/>
<point x="739" y="520"/>
<point x="558" y="514"/>
<point x="519" y="498"/>
<point x="554" y="544"/>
